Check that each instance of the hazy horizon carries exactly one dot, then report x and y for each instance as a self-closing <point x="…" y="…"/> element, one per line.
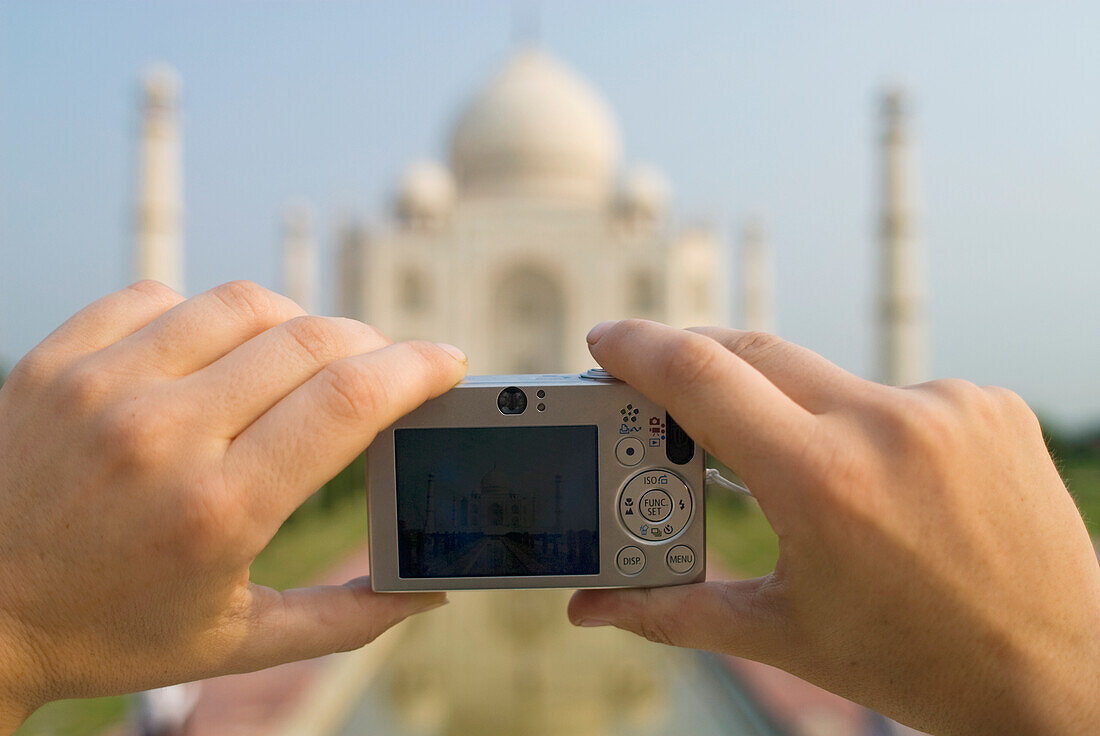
<point x="746" y="108"/>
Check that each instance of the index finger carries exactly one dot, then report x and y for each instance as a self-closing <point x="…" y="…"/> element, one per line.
<point x="318" y="428"/>
<point x="802" y="374"/>
<point x="720" y="400"/>
<point x="113" y="317"/>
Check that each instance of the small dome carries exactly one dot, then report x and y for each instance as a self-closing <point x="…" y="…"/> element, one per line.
<point x="644" y="193"/>
<point x="536" y="129"/>
<point x="494" y="482"/>
<point x="426" y="192"/>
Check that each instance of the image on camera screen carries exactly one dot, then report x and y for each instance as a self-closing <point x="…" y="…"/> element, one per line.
<point x="497" y="501"/>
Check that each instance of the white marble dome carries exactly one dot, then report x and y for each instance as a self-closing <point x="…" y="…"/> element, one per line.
<point x="536" y="129"/>
<point x="426" y="191"/>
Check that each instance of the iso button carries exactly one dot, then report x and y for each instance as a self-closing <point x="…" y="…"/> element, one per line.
<point x="630" y="560"/>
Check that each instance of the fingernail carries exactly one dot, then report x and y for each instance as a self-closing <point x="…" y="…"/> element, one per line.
<point x="587" y="622"/>
<point x="596" y="332"/>
<point x="453" y="351"/>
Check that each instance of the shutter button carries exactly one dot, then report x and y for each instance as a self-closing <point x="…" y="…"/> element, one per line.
<point x="598" y="374"/>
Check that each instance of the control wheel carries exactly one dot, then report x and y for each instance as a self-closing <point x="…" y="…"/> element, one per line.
<point x="655" y="505"/>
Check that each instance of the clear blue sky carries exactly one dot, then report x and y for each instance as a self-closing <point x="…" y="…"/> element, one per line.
<point x="745" y="106"/>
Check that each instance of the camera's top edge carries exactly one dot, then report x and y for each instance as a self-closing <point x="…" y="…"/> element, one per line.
<point x="538" y="379"/>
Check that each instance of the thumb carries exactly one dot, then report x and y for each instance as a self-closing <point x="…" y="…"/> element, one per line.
<point x="728" y="617"/>
<point x="304" y="623"/>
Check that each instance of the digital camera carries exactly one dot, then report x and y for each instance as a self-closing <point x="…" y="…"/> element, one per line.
<point x="536" y="481"/>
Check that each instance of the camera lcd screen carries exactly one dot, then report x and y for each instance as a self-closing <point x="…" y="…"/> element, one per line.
<point x="497" y="501"/>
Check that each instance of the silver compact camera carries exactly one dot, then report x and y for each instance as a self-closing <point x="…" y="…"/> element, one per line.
<point x="536" y="481"/>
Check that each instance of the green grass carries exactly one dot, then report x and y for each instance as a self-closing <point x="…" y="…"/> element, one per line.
<point x="737" y="530"/>
<point x="320" y="534"/>
<point x="311" y="542"/>
<point x="740" y="535"/>
<point x="1083" y="480"/>
<point x="75" y="717"/>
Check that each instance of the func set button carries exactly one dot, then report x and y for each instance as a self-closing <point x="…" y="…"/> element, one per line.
<point x="655" y="505"/>
<point x="629" y="451"/>
<point x="630" y="560"/>
<point x="681" y="559"/>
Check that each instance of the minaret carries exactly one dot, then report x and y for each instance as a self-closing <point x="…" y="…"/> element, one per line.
<point x="158" y="243"/>
<point x="429" y="506"/>
<point x="757" y="280"/>
<point x="351" y="271"/>
<point x="300" y="257"/>
<point x="557" y="502"/>
<point x="902" y="339"/>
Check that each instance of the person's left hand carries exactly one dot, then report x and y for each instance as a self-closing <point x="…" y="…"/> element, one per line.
<point x="149" y="449"/>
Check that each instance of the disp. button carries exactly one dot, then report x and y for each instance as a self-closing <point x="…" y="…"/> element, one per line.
<point x="630" y="560"/>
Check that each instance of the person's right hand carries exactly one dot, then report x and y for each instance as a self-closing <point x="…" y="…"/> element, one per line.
<point x="149" y="449"/>
<point x="932" y="564"/>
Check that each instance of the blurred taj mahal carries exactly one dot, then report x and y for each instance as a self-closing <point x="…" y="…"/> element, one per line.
<point x="529" y="237"/>
<point x="534" y="231"/>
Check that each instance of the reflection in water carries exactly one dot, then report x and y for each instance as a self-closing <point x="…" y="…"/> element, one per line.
<point x="509" y="662"/>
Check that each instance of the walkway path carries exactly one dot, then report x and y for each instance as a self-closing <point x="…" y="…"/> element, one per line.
<point x="508" y="662"/>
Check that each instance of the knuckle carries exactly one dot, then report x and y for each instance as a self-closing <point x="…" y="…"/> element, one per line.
<point x="654" y="629"/>
<point x="430" y="355"/>
<point x="626" y="326"/>
<point x="752" y="346"/>
<point x="369" y="334"/>
<point x="83" y="387"/>
<point x="155" y="291"/>
<point x="921" y="425"/>
<point x="359" y="336"/>
<point x="334" y="621"/>
<point x="356" y="639"/>
<point x="653" y="623"/>
<point x="977" y="407"/>
<point x="247" y="299"/>
<point x="353" y="390"/>
<point x="689" y="360"/>
<point x="132" y="436"/>
<point x="1009" y="401"/>
<point x="33" y="370"/>
<point x="826" y="452"/>
<point x="619" y="331"/>
<point x="209" y="524"/>
<point x="956" y="391"/>
<point x="317" y="338"/>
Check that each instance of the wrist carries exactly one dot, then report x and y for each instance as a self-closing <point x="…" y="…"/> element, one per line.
<point x="1060" y="688"/>
<point x="1041" y="678"/>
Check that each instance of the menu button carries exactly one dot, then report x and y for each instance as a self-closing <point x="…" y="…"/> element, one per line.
<point x="681" y="559"/>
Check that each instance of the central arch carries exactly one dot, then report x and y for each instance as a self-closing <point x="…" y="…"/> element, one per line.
<point x="528" y="321"/>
